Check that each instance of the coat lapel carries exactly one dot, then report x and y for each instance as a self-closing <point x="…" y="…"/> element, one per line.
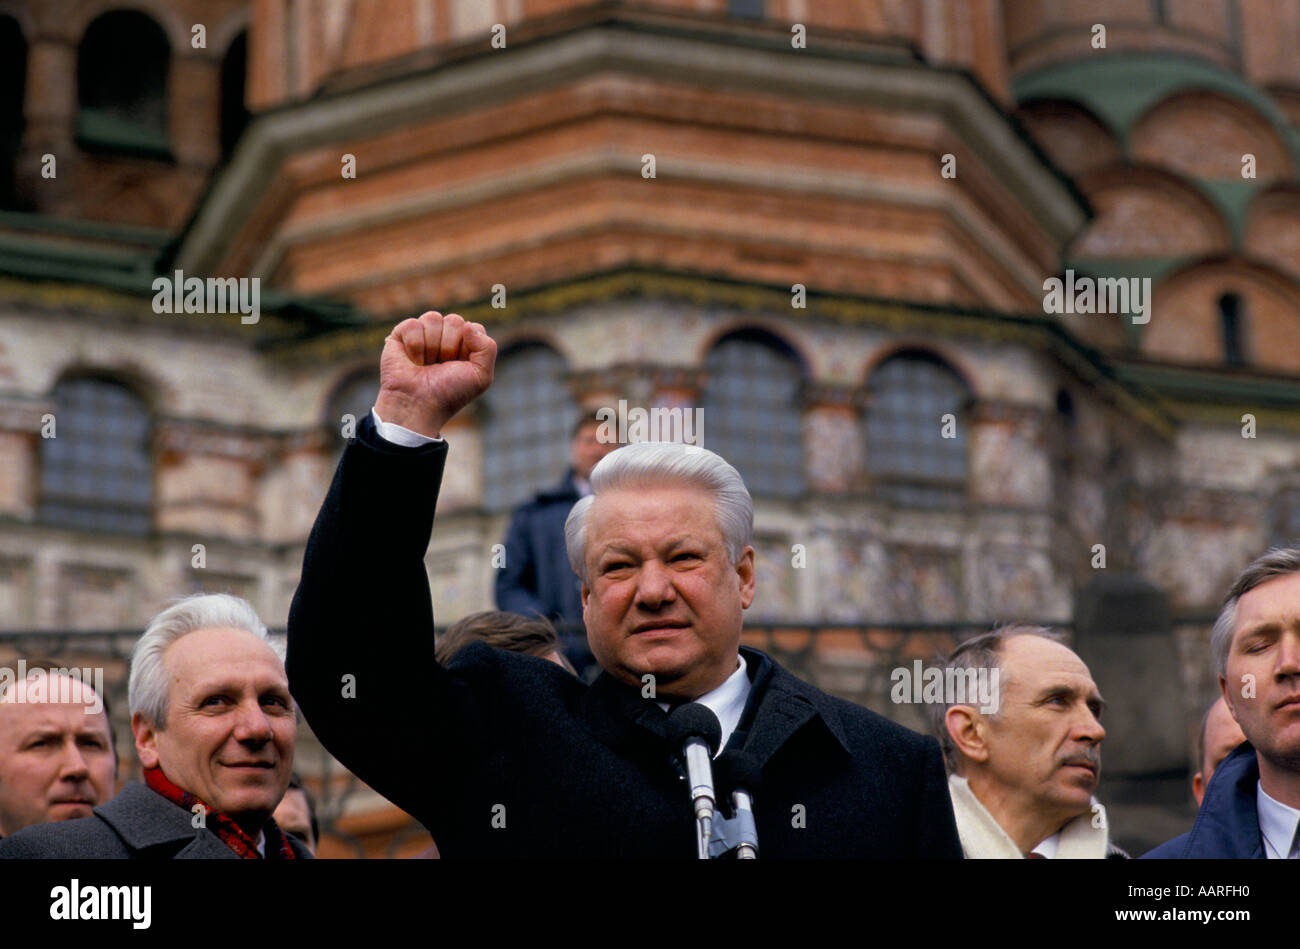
<point x="780" y="704"/>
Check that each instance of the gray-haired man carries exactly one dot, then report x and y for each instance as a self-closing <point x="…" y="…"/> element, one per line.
<point x="508" y="754"/>
<point x="214" y="728"/>
<point x="1252" y="807"/>
<point x="1024" y="774"/>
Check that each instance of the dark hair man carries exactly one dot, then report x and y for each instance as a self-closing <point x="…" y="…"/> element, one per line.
<point x="296" y="815"/>
<point x="1220" y="734"/>
<point x="1251" y="808"/>
<point x="57" y="756"/>
<point x="513" y="757"/>
<point x="1024" y="770"/>
<point x="214" y="729"/>
<point x="536" y="580"/>
<point x="501" y="630"/>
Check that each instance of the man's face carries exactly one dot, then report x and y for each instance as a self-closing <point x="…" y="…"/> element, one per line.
<point x="664" y="598"/>
<point x="588" y="450"/>
<point x="56" y="761"/>
<point x="1222" y="734"/>
<point x="1045" y="746"/>
<point x="230" y="729"/>
<point x="294" y="817"/>
<point x="1266" y="646"/>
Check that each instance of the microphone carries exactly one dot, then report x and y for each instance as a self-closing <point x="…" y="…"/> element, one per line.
<point x="697" y="731"/>
<point x="739" y="771"/>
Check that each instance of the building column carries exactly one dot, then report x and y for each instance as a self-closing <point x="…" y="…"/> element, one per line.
<point x="833" y="441"/>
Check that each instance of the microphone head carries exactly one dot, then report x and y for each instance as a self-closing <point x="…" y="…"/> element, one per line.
<point x="739" y="771"/>
<point x="694" y="720"/>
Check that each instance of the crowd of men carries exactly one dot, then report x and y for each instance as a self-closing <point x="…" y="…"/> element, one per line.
<point x="515" y="754"/>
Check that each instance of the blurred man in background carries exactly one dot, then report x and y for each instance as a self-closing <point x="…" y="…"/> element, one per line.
<point x="536" y="579"/>
<point x="296" y="815"/>
<point x="1220" y="734"/>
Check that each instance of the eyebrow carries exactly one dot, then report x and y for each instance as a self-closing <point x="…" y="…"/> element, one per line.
<point x="207" y="691"/>
<point x="1068" y="691"/>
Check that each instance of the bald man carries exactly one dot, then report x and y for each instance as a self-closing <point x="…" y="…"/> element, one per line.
<point x="57" y="759"/>
<point x="1220" y="733"/>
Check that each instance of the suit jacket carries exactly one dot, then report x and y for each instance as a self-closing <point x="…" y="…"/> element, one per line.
<point x="138" y="824"/>
<point x="537" y="578"/>
<point x="503" y="755"/>
<point x="1227" y="825"/>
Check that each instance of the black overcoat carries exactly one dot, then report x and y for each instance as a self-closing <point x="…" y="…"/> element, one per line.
<point x="507" y="755"/>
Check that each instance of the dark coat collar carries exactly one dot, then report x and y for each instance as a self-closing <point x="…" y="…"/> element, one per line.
<point x="144" y="819"/>
<point x="1227" y="824"/>
<point x="566" y="490"/>
<point x="779" y="705"/>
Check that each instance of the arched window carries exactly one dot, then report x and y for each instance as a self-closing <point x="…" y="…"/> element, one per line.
<point x="915" y="456"/>
<point x="97" y="470"/>
<point x="354" y="396"/>
<point x="752" y="413"/>
<point x="234" y="77"/>
<point x="527" y="416"/>
<point x="1231" y="327"/>
<point x="122" y="66"/>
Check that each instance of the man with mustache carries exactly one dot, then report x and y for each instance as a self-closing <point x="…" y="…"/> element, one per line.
<point x="1022" y="777"/>
<point x="1251" y="809"/>
<point x="214" y="728"/>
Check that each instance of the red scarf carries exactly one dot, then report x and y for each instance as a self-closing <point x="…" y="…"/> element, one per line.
<point x="230" y="833"/>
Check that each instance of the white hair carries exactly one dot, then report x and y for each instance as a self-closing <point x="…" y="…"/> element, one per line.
<point x="645" y="463"/>
<point x="147" y="689"/>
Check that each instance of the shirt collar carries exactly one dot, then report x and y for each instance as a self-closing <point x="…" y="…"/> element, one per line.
<point x="1047" y="846"/>
<point x="727" y="701"/>
<point x="1277" y="824"/>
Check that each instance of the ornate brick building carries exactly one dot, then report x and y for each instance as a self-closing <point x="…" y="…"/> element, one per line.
<point x="827" y="224"/>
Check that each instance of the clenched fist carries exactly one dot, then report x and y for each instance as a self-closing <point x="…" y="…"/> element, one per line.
<point x="431" y="368"/>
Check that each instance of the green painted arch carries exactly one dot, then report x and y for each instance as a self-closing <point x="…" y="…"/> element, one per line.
<point x="1120" y="89"/>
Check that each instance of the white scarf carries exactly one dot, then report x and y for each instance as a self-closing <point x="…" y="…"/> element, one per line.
<point x="982" y="837"/>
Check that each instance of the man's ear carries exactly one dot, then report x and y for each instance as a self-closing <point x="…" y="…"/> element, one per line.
<point x="1227" y="696"/>
<point x="146" y="740"/>
<point x="1198" y="787"/>
<point x="745" y="571"/>
<point x="965" y="727"/>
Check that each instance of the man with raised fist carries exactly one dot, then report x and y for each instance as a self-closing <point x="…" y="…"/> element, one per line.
<point x="503" y="754"/>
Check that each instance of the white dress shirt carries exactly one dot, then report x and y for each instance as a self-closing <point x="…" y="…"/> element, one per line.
<point x="1277" y="825"/>
<point x="727" y="701"/>
<point x="392" y="432"/>
<point x="1047" y="846"/>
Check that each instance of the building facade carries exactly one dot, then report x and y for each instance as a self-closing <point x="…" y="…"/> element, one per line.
<point x="828" y="226"/>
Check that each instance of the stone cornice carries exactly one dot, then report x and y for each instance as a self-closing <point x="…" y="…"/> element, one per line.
<point x="1034" y="331"/>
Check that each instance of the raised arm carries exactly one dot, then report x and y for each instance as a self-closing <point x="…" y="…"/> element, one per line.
<point x="361" y="662"/>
